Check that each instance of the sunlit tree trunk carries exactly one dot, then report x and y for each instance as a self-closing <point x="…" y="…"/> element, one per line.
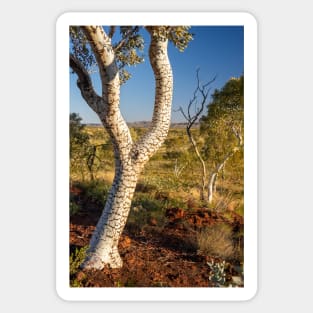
<point x="211" y="186"/>
<point x="215" y="173"/>
<point x="130" y="157"/>
<point x="203" y="194"/>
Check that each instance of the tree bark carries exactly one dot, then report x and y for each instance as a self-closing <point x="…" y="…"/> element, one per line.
<point x="103" y="248"/>
<point x="130" y="158"/>
<point x="211" y="186"/>
<point x="204" y="173"/>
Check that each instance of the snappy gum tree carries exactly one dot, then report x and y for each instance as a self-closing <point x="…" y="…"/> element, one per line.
<point x="130" y="157"/>
<point x="223" y="128"/>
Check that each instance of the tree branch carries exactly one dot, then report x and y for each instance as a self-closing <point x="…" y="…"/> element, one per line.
<point x="112" y="31"/>
<point x="146" y="146"/>
<point x="182" y="112"/>
<point x="191" y="119"/>
<point x="109" y="112"/>
<point x="119" y="45"/>
<point x="204" y="91"/>
<point x="238" y="135"/>
<point x="84" y="83"/>
<point x="102" y="48"/>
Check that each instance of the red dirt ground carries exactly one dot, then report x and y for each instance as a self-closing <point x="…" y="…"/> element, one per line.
<point x="155" y="256"/>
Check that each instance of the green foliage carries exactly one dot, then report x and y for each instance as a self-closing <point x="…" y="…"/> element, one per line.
<point x="147" y="202"/>
<point x="178" y="35"/>
<point x="222" y="130"/>
<point x="129" y="50"/>
<point x="79" y="144"/>
<point x="128" y="45"/>
<point x="97" y="193"/>
<point x="78" y="138"/>
<point x="224" y="120"/>
<point x="94" y="193"/>
<point x="169" y="179"/>
<point x="145" y="208"/>
<point x="90" y="149"/>
<point x="80" y="47"/>
<point x="74" y="208"/>
<point x="76" y="259"/>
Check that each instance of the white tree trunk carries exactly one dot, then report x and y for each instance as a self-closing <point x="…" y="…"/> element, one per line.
<point x="211" y="187"/>
<point x="103" y="247"/>
<point x="130" y="158"/>
<point x="204" y="174"/>
<point x="213" y="177"/>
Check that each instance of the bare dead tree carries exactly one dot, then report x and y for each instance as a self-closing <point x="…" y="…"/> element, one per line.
<point x="192" y="118"/>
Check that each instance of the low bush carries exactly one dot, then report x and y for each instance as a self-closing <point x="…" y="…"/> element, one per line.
<point x="74" y="208"/>
<point x="93" y="195"/>
<point x="76" y="259"/>
<point x="77" y="278"/>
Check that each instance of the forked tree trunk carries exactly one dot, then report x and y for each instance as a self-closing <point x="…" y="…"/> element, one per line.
<point x="212" y="181"/>
<point x="130" y="157"/>
<point x="214" y="175"/>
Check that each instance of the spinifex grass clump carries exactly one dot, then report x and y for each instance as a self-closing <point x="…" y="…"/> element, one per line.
<point x="216" y="241"/>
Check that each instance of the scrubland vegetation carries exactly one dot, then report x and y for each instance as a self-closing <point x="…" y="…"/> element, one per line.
<point x="167" y="209"/>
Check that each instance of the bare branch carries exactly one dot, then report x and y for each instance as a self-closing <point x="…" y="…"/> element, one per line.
<point x="182" y="112"/>
<point x="119" y="45"/>
<point x="192" y="118"/>
<point x="209" y="82"/>
<point x="204" y="91"/>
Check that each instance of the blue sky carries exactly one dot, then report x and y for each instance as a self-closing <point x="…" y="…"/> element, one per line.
<point x="216" y="50"/>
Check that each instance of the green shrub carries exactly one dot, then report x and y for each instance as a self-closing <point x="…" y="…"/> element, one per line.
<point x="77" y="278"/>
<point x="172" y="155"/>
<point x="146" y="210"/>
<point x="74" y="208"/>
<point x="94" y="193"/>
<point x="145" y="188"/>
<point x="97" y="194"/>
<point x="76" y="259"/>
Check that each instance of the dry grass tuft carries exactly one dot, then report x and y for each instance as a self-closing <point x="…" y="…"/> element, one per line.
<point x="216" y="241"/>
